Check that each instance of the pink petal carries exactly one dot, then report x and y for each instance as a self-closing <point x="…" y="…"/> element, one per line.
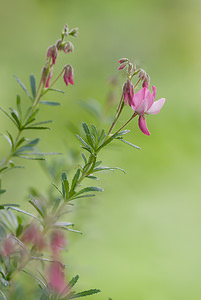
<point x="139" y="96"/>
<point x="154" y="92"/>
<point x="149" y="99"/>
<point x="142" y="107"/>
<point x="143" y="126"/>
<point x="156" y="107"/>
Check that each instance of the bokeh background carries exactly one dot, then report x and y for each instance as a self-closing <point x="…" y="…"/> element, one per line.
<point x="142" y="236"/>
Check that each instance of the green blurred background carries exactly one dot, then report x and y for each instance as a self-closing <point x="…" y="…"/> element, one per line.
<point x="142" y="236"/>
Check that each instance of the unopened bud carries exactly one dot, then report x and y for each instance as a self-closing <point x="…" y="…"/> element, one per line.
<point x="146" y="81"/>
<point x="74" y="32"/>
<point x="52" y="51"/>
<point x="58" y="44"/>
<point x="122" y="66"/>
<point x="65" y="30"/>
<point x="142" y="74"/>
<point x="128" y="92"/>
<point x="68" y="47"/>
<point x="44" y="74"/>
<point x="68" y="75"/>
<point x="123" y="60"/>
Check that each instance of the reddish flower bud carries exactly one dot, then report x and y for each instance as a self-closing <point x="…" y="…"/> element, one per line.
<point x="128" y="92"/>
<point x="123" y="60"/>
<point x="68" y="75"/>
<point x="8" y="246"/>
<point x="52" y="52"/>
<point x="58" y="44"/>
<point x="122" y="66"/>
<point x="57" y="278"/>
<point x="58" y="242"/>
<point x="44" y="74"/>
<point x="68" y="47"/>
<point x="33" y="235"/>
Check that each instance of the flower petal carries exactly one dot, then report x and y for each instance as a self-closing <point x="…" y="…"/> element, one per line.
<point x="154" y="92"/>
<point x="156" y="107"/>
<point x="143" y="126"/>
<point x="139" y="96"/>
<point x="149" y="99"/>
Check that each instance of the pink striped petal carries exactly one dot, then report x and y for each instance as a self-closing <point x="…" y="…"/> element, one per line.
<point x="143" y="126"/>
<point x="148" y="99"/>
<point x="156" y="107"/>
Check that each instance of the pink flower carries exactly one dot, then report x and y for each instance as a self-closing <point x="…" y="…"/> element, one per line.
<point x="58" y="242"/>
<point x="68" y="74"/>
<point x="8" y="246"/>
<point x="143" y="103"/>
<point x="33" y="235"/>
<point x="128" y="92"/>
<point x="57" y="278"/>
<point x="52" y="51"/>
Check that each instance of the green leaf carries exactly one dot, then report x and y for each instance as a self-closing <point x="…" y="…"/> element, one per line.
<point x="13" y="120"/>
<point x="122" y="132"/>
<point x="24" y="212"/>
<point x="86" y="146"/>
<point x="65" y="185"/>
<point x="54" y="185"/>
<point x="92" y="177"/>
<point x="15" y="116"/>
<point x="84" y="158"/>
<point x="85" y="293"/>
<point x="56" y="90"/>
<point x="10" y="140"/>
<point x="23" y="87"/>
<point x="41" y="123"/>
<point x="89" y="189"/>
<point x="130" y="144"/>
<point x="63" y="224"/>
<point x="37" y="128"/>
<point x="33" y="85"/>
<point x="2" y="191"/>
<point x="50" y="103"/>
<point x="107" y="169"/>
<point x="18" y="102"/>
<point x="21" y="141"/>
<point x="86" y="128"/>
<point x="28" y="147"/>
<point x="73" y="281"/>
<point x="74" y="181"/>
<point x="37" y="205"/>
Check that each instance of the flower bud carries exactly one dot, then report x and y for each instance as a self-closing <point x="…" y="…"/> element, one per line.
<point x="58" y="44"/>
<point x="44" y="74"/>
<point x="52" y="52"/>
<point x="123" y="60"/>
<point x="122" y="66"/>
<point x="146" y="81"/>
<point x="65" y="30"/>
<point x="34" y="236"/>
<point x="68" y="47"/>
<point x="68" y="75"/>
<point x="128" y="92"/>
<point x="74" y="32"/>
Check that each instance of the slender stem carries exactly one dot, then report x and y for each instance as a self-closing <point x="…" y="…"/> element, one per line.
<point x="137" y="83"/>
<point x="119" y="110"/>
<point x="133" y="116"/>
<point x="56" y="79"/>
